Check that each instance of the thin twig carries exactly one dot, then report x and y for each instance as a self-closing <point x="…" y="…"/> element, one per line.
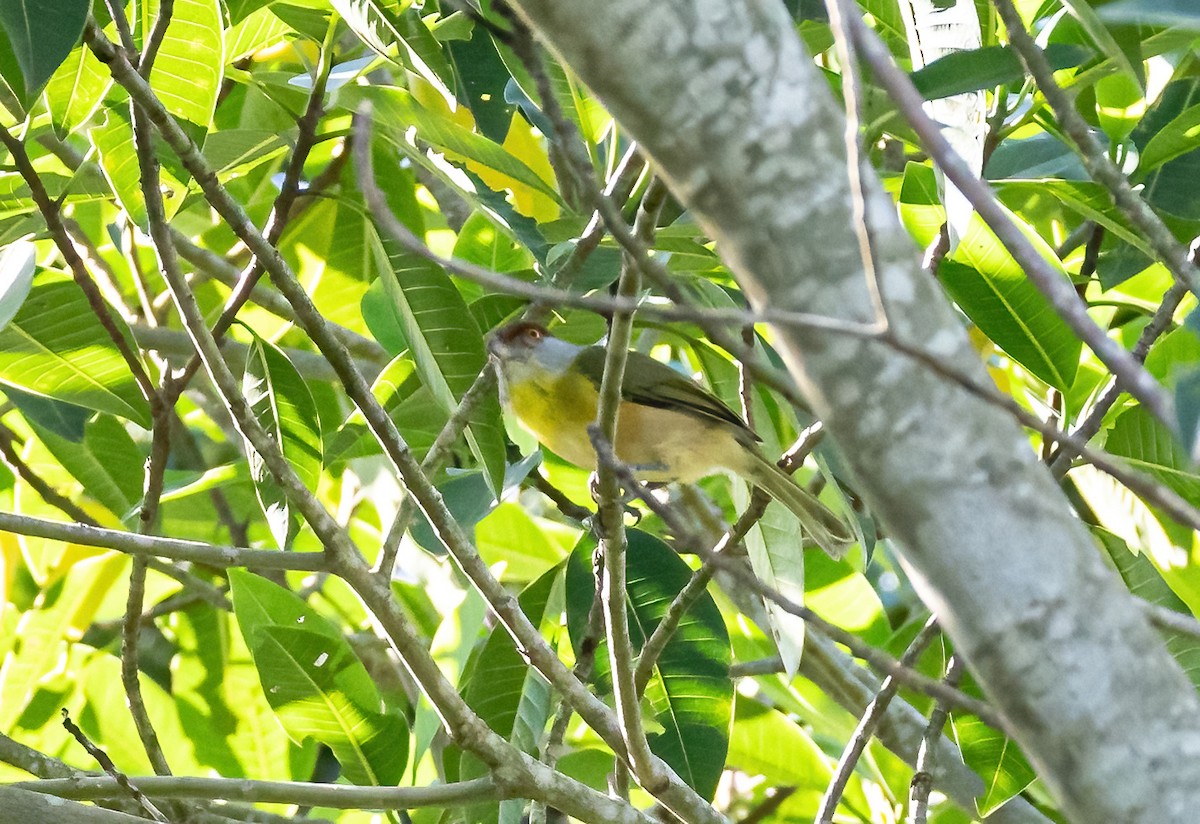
<point x="865" y="730"/>
<point x="610" y="530"/>
<point x="851" y="94"/>
<point x="145" y="545"/>
<point x="166" y="8"/>
<point x="124" y="786"/>
<point x="922" y="780"/>
<point x="334" y="796"/>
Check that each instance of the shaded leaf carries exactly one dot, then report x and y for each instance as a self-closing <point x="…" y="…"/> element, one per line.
<point x="690" y="694"/>
<point x="42" y="34"/>
<point x="985" y="68"/>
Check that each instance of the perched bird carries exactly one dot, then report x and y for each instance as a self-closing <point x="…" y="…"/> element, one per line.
<point x="668" y="427"/>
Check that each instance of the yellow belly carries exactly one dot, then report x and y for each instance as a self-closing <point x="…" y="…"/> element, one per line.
<point x="663" y="445"/>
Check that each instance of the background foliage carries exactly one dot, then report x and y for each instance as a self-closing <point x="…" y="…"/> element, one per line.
<point x="271" y="676"/>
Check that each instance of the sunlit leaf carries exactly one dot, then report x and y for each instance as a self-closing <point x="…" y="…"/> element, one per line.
<point x="284" y="407"/>
<point x="56" y="347"/>
<point x="187" y="70"/>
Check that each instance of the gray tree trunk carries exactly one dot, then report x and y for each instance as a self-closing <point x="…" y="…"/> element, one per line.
<point x="738" y="120"/>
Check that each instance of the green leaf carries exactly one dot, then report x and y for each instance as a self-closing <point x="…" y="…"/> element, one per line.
<point x="986" y="68"/>
<point x="1145" y="582"/>
<point x="17" y="264"/>
<point x="773" y="545"/>
<point x="483" y="76"/>
<point x="1178" y="13"/>
<point x="469" y="497"/>
<point x="259" y="603"/>
<point x="320" y="690"/>
<point x="107" y="462"/>
<point x="314" y="682"/>
<point x="118" y="160"/>
<point x="446" y="346"/>
<point x="921" y="209"/>
<point x="1104" y="39"/>
<point x="690" y="694"/>
<point x="42" y="34"/>
<point x="510" y="696"/>
<point x="187" y="71"/>
<point x="100" y="680"/>
<point x="766" y="742"/>
<point x="991" y="287"/>
<point x="221" y="705"/>
<point x="284" y="407"/>
<point x="511" y="536"/>
<point x="64" y="608"/>
<point x="374" y="24"/>
<point x="1180" y="136"/>
<point x="256" y="30"/>
<point x="64" y="419"/>
<point x="1148" y="445"/>
<point x="481" y="242"/>
<point x="1085" y="198"/>
<point x="995" y="757"/>
<point x="76" y="90"/>
<point x="397" y="106"/>
<point x="56" y="347"/>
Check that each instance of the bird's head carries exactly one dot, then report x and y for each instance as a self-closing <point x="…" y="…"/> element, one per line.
<point x="527" y="346"/>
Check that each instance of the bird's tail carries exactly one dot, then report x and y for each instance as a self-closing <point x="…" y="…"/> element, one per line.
<point x="826" y="529"/>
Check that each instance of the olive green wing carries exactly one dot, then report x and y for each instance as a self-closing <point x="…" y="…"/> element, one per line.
<point x="652" y="383"/>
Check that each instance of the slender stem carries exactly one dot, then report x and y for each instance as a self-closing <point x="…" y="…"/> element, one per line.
<point x="851" y="94"/>
<point x="922" y="780"/>
<point x="610" y="528"/>
<point x="119" y="778"/>
<point x="153" y="41"/>
<point x="174" y="548"/>
<point x="334" y="796"/>
<point x="868" y="724"/>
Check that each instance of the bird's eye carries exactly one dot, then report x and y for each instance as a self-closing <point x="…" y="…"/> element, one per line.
<point x="533" y="334"/>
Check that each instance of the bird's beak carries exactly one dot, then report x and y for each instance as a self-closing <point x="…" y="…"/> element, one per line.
<point x="494" y="346"/>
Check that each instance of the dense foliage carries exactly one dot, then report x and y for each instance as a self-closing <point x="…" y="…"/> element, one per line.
<point x="250" y="667"/>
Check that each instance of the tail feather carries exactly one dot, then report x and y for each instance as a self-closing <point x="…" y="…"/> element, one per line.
<point x="826" y="529"/>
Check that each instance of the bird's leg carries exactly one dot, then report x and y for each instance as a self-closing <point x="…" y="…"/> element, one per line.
<point x="626" y="497"/>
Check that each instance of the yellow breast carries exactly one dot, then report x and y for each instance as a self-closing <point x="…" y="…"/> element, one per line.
<point x="557" y="409"/>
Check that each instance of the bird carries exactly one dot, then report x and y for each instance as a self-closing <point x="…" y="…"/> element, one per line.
<point x="669" y="428"/>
